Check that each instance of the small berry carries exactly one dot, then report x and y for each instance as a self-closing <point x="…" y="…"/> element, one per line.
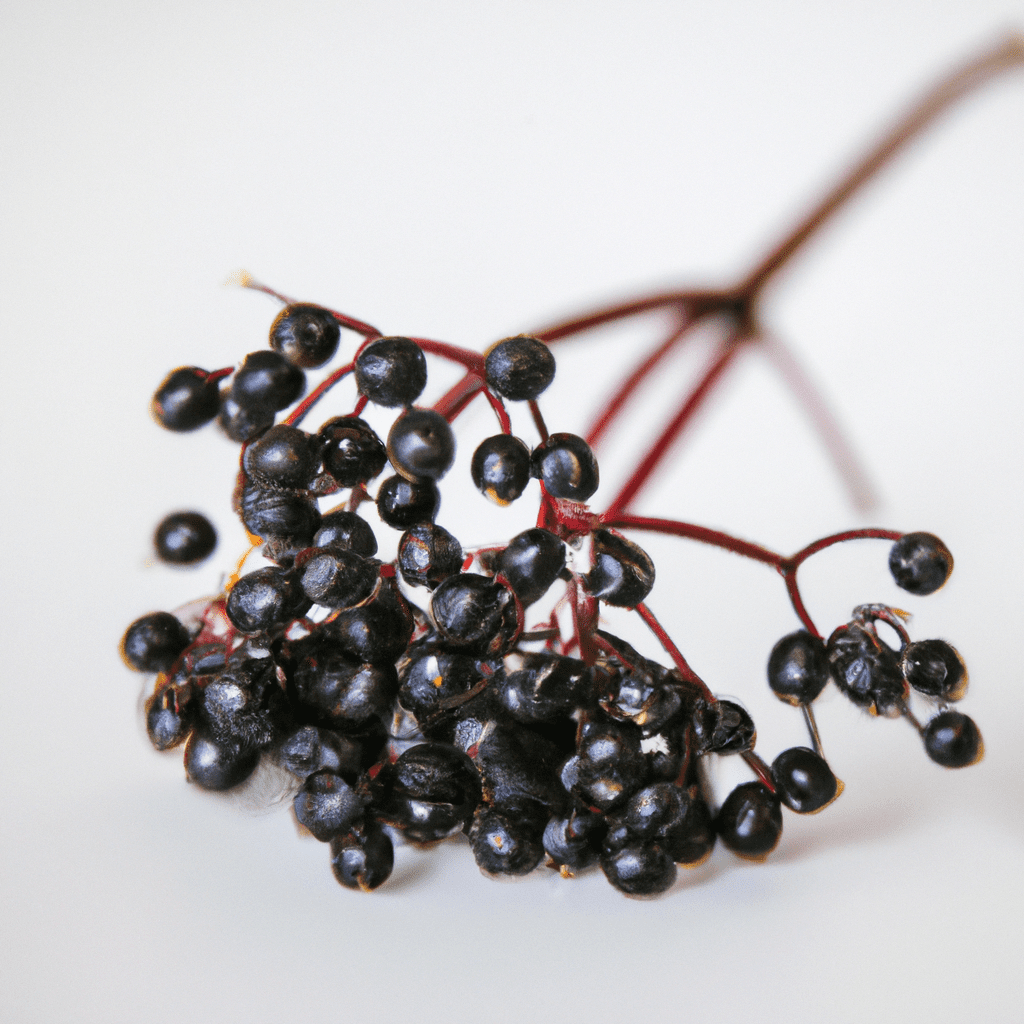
<point x="152" y="643"/>
<point x="344" y="529"/>
<point x="363" y="857"/>
<point x="267" y="382"/>
<point x="421" y="444"/>
<point x="403" y="503"/>
<point x="935" y="668"/>
<point x="804" y="781"/>
<point x="217" y="764"/>
<point x="520" y="368"/>
<point x="501" y="468"/>
<point x="186" y="400"/>
<point x="185" y="538"/>
<point x="531" y="562"/>
<point x="351" y="450"/>
<point x="798" y="668"/>
<point x="750" y="821"/>
<point x="305" y="335"/>
<point x="566" y="465"/>
<point x="241" y="424"/>
<point x="282" y="457"/>
<point x="427" y="555"/>
<point x="327" y="805"/>
<point x="391" y="372"/>
<point x="622" y="572"/>
<point x="920" y="563"/>
<point x="953" y="740"/>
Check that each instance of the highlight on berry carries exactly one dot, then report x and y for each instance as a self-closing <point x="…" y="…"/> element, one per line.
<point x="476" y="690"/>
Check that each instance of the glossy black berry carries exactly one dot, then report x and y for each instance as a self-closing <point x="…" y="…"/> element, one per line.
<point x="327" y="805"/>
<point x="725" y="728"/>
<point x="804" y="781"/>
<point x="348" y="530"/>
<point x="750" y="821"/>
<point x="217" y="764"/>
<point x="532" y="561"/>
<point x="403" y="503"/>
<point x="501" y="468"/>
<point x="391" y="372"/>
<point x="377" y="631"/>
<point x="363" y="857"/>
<point x="263" y="599"/>
<point x="609" y="767"/>
<point x="953" y="740"/>
<point x="920" y="563"/>
<point x="546" y="688"/>
<point x="622" y="573"/>
<point x="305" y="335"/>
<point x="282" y="457"/>
<point x="242" y="424"/>
<point x="421" y="444"/>
<point x="184" y="538"/>
<point x="170" y="713"/>
<point x="640" y="869"/>
<point x="798" y="668"/>
<point x="474" y="612"/>
<point x="505" y="844"/>
<point x="311" y="749"/>
<point x="341" y="692"/>
<point x="269" y="513"/>
<point x="186" y="400"/>
<point x="244" y="707"/>
<point x="427" y="555"/>
<point x="267" y="382"/>
<point x="336" y="578"/>
<point x="520" y="368"/>
<point x="935" y="668"/>
<point x="153" y="642"/>
<point x="866" y="669"/>
<point x="351" y="450"/>
<point x="566" y="465"/>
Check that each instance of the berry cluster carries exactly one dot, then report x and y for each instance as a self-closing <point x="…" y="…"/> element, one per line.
<point x="469" y="690"/>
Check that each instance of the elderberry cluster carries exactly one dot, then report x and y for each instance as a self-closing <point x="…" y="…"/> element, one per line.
<point x="410" y="697"/>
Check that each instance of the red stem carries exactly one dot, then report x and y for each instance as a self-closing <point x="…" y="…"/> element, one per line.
<point x="673" y="652"/>
<point x="472" y="361"/>
<point x="298" y="414"/>
<point x="499" y="410"/>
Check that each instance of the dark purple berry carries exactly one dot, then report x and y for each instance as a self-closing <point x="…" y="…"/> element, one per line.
<point x="750" y="821"/>
<point x="169" y="715"/>
<point x="935" y="668"/>
<point x="475" y="613"/>
<point x="348" y="530"/>
<point x="804" y="781"/>
<point x="263" y="599"/>
<point x="184" y="538"/>
<point x="421" y="444"/>
<point x="532" y="561"/>
<point x="505" y="844"/>
<point x="153" y="642"/>
<point x="403" y="503"/>
<point x="217" y="764"/>
<point x="351" y="450"/>
<point x="920" y="563"/>
<point x="501" y="468"/>
<point x="727" y="728"/>
<point x="566" y="465"/>
<point x="391" y="372"/>
<point x="327" y="805"/>
<point x="267" y="382"/>
<point x="305" y="335"/>
<point x="268" y="513"/>
<point x="640" y="869"/>
<point x="363" y="857"/>
<point x="622" y="573"/>
<point x="186" y="400"/>
<point x="427" y="555"/>
<point x="953" y="740"/>
<point x="336" y="578"/>
<point x="866" y="669"/>
<point x="798" y="668"/>
<point x="283" y="457"/>
<point x="242" y="424"/>
<point x="520" y="368"/>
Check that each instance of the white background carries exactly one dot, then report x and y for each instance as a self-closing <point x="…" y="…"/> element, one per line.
<point x="466" y="171"/>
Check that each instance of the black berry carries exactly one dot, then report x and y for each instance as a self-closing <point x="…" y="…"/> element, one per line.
<point x="953" y="740"/>
<point x="184" y="538"/>
<point x="305" y="335"/>
<point x="520" y="368"/>
<point x="566" y="465"/>
<point x="920" y="563"/>
<point x="391" y="372"/>
<point x="186" y="400"/>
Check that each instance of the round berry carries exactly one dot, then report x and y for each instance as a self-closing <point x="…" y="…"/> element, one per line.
<point x="184" y="538"/>
<point x="186" y="400"/>
<point x="935" y="668"/>
<point x="305" y="335"/>
<point x="152" y="643"/>
<point x="283" y="457"/>
<point x="403" y="503"/>
<point x="532" y="561"/>
<point x="351" y="450"/>
<point x="639" y="870"/>
<point x="473" y="611"/>
<point x="750" y="821"/>
<point x="421" y="444"/>
<point x="363" y="858"/>
<point x="920" y="563"/>
<point x="501" y="468"/>
<point x="505" y="844"/>
<point x="349" y="530"/>
<point x="268" y="513"/>
<point x="622" y="573"/>
<point x="804" y="781"/>
<point x="336" y="578"/>
<point x="217" y="764"/>
<point x="866" y="669"/>
<point x="267" y="382"/>
<point x="798" y="667"/>
<point x="427" y="555"/>
<point x="391" y="372"/>
<point x="241" y="424"/>
<point x="327" y="805"/>
<point x="520" y="368"/>
<point x="262" y="599"/>
<point x="953" y="740"/>
<point x="566" y="465"/>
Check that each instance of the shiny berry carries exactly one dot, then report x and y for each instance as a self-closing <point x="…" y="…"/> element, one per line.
<point x="501" y="468"/>
<point x="474" y="612"/>
<point x="327" y="805"/>
<point x="640" y="869"/>
<point x="363" y="857"/>
<point x="520" y="368"/>
<point x="217" y="764"/>
<point x="348" y="530"/>
<point x="262" y="599"/>
<point x="170" y="713"/>
<point x="953" y="740"/>
<point x="622" y="573"/>
<point x="798" y="667"/>
<point x="283" y="457"/>
<point x="153" y="642"/>
<point x="184" y="538"/>
<point x="305" y="335"/>
<point x="804" y="781"/>
<point x="505" y="844"/>
<point x="269" y="513"/>
<point x="351" y="450"/>
<point x="920" y="563"/>
<point x="421" y="444"/>
<point x="427" y="555"/>
<point x="750" y="821"/>
<point x="186" y="400"/>
<point x="267" y="382"/>
<point x="935" y="668"/>
<point x="566" y="465"/>
<point x="242" y="424"/>
<point x="531" y="562"/>
<point x="391" y="372"/>
<point x="403" y="503"/>
<point x="336" y="578"/>
<point x="866" y="669"/>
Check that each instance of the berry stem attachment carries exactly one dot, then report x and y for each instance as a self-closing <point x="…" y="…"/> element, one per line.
<point x="760" y="769"/>
<point x="812" y="729"/>
<point x="298" y="414"/>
